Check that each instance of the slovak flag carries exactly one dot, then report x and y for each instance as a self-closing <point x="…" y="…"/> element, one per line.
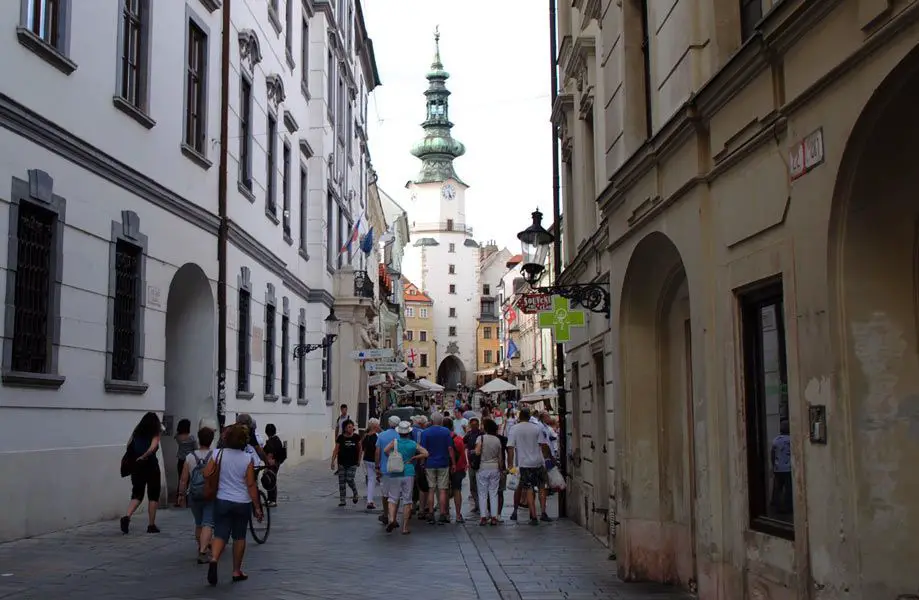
<point x="355" y="234"/>
<point x="367" y="241"/>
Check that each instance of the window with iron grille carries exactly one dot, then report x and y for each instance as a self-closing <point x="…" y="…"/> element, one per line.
<point x="242" y="340"/>
<point x="196" y="89"/>
<point x="245" y="132"/>
<point x="33" y="290"/>
<point x="271" y="163"/>
<point x="270" y="313"/>
<point x="285" y="350"/>
<point x="285" y="191"/>
<point x="134" y="67"/>
<point x="301" y="363"/>
<point x="127" y="308"/>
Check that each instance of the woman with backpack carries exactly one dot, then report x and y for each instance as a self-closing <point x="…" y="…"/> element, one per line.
<point x="191" y="491"/>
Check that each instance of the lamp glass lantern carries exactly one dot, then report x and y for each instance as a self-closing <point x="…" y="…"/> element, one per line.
<point x="331" y="325"/>
<point x="534" y="246"/>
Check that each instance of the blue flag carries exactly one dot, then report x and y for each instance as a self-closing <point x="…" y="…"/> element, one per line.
<point x="367" y="242"/>
<point x="511" y="349"/>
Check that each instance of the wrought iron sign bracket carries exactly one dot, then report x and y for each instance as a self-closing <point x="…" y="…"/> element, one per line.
<point x="301" y="350"/>
<point x="591" y="296"/>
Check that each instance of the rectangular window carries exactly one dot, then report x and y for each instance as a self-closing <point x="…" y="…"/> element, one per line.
<point x="452" y="247"/>
<point x="452" y="331"/>
<point x="330" y="92"/>
<point x="452" y="312"/>
<point x="646" y="73"/>
<point x="409" y="335"/>
<point x="751" y="13"/>
<point x="451" y="269"/>
<point x="196" y="90"/>
<point x="305" y="56"/>
<point x="329" y="232"/>
<point x="449" y="224"/>
<point x="409" y="312"/>
<point x="285" y="191"/>
<point x="304" y="191"/>
<point x="327" y="375"/>
<point x="245" y="132"/>
<point x="133" y="52"/>
<point x="424" y="313"/>
<point x="766" y="387"/>
<point x="340" y="110"/>
<point x="35" y="240"/>
<point x="272" y="165"/>
<point x="242" y="341"/>
<point x="127" y="311"/>
<point x="488" y="356"/>
<point x="289" y="30"/>
<point x="424" y="360"/>
<point x="342" y="224"/>
<point x="488" y="308"/>
<point x="452" y="288"/>
<point x="301" y="363"/>
<point x="422" y="336"/>
<point x="45" y="19"/>
<point x="285" y="350"/>
<point x="349" y="134"/>
<point x="486" y="289"/>
<point x="270" y="313"/>
<point x="486" y="333"/>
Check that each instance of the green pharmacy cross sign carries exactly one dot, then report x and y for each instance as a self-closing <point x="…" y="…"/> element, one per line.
<point x="560" y="319"/>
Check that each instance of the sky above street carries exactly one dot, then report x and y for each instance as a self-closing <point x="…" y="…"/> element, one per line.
<point x="497" y="53"/>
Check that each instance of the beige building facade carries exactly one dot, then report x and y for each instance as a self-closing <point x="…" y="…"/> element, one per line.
<point x="745" y="424"/>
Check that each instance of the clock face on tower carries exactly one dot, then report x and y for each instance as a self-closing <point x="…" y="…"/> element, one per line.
<point x="448" y="192"/>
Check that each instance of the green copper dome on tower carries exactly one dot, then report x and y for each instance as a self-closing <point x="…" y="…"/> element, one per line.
<point x="438" y="149"/>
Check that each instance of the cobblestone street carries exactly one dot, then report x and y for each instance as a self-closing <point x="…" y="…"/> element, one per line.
<point x="317" y="550"/>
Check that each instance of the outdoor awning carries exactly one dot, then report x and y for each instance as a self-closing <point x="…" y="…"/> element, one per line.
<point x="429" y="385"/>
<point x="496" y="386"/>
<point x="540" y="395"/>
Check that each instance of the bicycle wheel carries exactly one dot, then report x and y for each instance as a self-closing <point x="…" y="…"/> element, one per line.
<point x="258" y="530"/>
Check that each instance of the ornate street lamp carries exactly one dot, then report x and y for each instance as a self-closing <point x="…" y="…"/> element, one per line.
<point x="534" y="245"/>
<point x="331" y="333"/>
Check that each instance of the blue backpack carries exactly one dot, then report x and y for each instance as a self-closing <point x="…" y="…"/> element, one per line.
<point x="196" y="481"/>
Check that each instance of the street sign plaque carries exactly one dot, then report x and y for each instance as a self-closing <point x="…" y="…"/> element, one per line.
<point x="372" y="353"/>
<point x="385" y="367"/>
<point x="535" y="303"/>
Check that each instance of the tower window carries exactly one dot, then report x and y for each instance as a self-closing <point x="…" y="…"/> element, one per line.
<point x="452" y="288"/>
<point x="452" y="269"/>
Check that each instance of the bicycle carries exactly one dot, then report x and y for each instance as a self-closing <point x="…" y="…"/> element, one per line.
<point x="260" y="530"/>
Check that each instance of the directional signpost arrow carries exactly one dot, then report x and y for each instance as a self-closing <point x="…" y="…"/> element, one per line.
<point x="561" y="319"/>
<point x="372" y="353"/>
<point x="385" y="367"/>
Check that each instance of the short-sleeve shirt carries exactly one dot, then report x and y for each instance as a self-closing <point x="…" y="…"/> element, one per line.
<point x="407" y="448"/>
<point x="437" y="440"/>
<point x="526" y="439"/>
<point x="348" y="449"/>
<point x="369" y="444"/>
<point x="471" y="438"/>
<point x="459" y="447"/>
<point x="384" y="440"/>
<point x="194" y="456"/>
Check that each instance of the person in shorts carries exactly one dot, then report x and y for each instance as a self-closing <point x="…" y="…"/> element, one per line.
<point x="528" y="445"/>
<point x="400" y="484"/>
<point x="438" y="441"/>
<point x="421" y="488"/>
<point x="458" y="471"/>
<point x="383" y="440"/>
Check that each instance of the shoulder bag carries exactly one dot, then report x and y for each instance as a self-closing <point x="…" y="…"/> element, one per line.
<point x="212" y="478"/>
<point x="395" y="463"/>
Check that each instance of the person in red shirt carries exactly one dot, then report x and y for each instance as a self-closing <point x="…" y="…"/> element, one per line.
<point x="457" y="471"/>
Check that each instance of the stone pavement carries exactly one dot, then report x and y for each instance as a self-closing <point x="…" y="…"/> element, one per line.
<point x="319" y="551"/>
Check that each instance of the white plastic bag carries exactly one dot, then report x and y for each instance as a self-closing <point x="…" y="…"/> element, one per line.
<point x="513" y="480"/>
<point x="556" y="479"/>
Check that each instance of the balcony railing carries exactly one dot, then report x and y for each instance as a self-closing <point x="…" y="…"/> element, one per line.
<point x="441" y="226"/>
<point x="363" y="285"/>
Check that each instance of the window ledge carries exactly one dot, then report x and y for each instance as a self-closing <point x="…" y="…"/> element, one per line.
<point x="302" y="402"/>
<point x="45" y="51"/>
<point x="288" y="239"/>
<point x="116" y="386"/>
<point x="245" y="191"/>
<point x="271" y="397"/>
<point x="305" y="89"/>
<point x="290" y="59"/>
<point x="244" y="395"/>
<point x="32" y="380"/>
<point x="132" y="111"/>
<point x="274" y="19"/>
<point x="211" y="5"/>
<point x="286" y="399"/>
<point x="272" y="216"/>
<point x="303" y="254"/>
<point x="196" y="157"/>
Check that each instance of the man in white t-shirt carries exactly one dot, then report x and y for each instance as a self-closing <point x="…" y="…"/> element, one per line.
<point x="528" y="449"/>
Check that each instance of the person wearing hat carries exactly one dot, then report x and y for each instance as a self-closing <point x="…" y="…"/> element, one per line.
<point x="400" y="484"/>
<point x="383" y="440"/>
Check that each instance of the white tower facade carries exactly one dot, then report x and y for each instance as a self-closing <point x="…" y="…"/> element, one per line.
<point x="443" y="257"/>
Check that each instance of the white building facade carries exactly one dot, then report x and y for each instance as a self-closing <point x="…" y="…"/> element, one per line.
<point x="443" y="259"/>
<point x="111" y="208"/>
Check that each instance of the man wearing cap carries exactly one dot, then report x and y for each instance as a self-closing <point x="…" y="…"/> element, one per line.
<point x="247" y="420"/>
<point x="384" y="439"/>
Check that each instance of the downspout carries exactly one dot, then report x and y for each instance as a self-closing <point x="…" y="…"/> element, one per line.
<point x="224" y="226"/>
<point x="557" y="261"/>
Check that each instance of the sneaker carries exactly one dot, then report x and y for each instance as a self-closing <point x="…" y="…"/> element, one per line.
<point x="153" y="529"/>
<point x="514" y="516"/>
<point x="355" y="499"/>
<point x="342" y="502"/>
<point x="545" y="518"/>
<point x="125" y="525"/>
<point x="383" y="519"/>
<point x="460" y="519"/>
<point x="534" y="521"/>
<point x="444" y="519"/>
<point x="202" y="558"/>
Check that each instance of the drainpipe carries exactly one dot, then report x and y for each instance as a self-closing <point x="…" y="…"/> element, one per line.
<point x="223" y="228"/>
<point x="557" y="262"/>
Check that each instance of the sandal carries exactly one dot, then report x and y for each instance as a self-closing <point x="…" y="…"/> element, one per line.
<point x="392" y="525"/>
<point x="240" y="577"/>
<point x="405" y="532"/>
<point x="212" y="573"/>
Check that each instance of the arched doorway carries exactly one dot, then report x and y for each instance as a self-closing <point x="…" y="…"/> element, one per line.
<point x="190" y="358"/>
<point x="873" y="265"/>
<point x="656" y="541"/>
<point x="451" y="373"/>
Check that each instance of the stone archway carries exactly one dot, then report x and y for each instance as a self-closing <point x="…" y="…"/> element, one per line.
<point x="656" y="541"/>
<point x="190" y="374"/>
<point x="451" y="372"/>
<point x="874" y="283"/>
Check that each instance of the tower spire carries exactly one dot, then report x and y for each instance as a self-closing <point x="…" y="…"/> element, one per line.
<point x="437" y="150"/>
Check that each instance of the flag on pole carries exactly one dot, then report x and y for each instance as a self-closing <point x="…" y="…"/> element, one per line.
<point x="355" y="234"/>
<point x="367" y="241"/>
<point x="512" y="350"/>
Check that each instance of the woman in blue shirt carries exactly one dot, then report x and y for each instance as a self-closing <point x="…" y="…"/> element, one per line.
<point x="401" y="484"/>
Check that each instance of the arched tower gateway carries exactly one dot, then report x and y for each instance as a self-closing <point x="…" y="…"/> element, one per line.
<point x="443" y="257"/>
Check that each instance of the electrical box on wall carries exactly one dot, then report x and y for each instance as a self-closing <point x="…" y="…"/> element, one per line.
<point x="817" y="422"/>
